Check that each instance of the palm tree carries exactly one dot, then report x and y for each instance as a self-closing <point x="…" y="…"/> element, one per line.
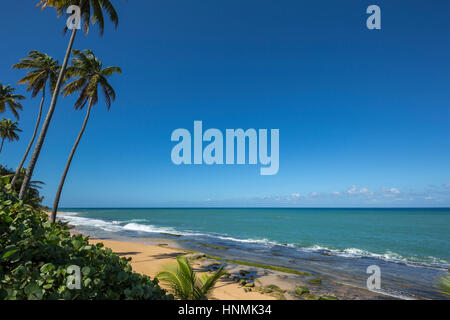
<point x="185" y="283"/>
<point x="88" y="8"/>
<point x="90" y="76"/>
<point x="43" y="70"/>
<point x="8" y="131"/>
<point x="10" y="100"/>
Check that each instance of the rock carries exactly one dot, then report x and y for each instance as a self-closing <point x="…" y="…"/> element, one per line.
<point x="328" y="298"/>
<point x="196" y="255"/>
<point x="282" y="276"/>
<point x="243" y="272"/>
<point x="214" y="266"/>
<point x="301" y="290"/>
<point x="310" y="296"/>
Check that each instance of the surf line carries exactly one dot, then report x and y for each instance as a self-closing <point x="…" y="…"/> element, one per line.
<point x="213" y="153"/>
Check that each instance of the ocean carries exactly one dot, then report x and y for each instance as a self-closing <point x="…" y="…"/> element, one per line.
<point x="411" y="246"/>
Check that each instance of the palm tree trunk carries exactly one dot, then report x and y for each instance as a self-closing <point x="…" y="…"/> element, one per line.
<point x="48" y="118"/>
<point x="32" y="138"/>
<point x="1" y="146"/>
<point x="66" y="169"/>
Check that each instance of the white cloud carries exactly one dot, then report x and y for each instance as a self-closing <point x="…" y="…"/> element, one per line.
<point x="354" y="190"/>
<point x="390" y="191"/>
<point x="295" y="196"/>
<point x="335" y="192"/>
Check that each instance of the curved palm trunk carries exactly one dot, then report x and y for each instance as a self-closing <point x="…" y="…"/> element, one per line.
<point x="66" y="169"/>
<point x="1" y="146"/>
<point x="48" y="118"/>
<point x="13" y="182"/>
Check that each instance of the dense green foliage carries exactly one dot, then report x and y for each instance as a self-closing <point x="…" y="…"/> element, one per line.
<point x="32" y="196"/>
<point x="186" y="284"/>
<point x="35" y="255"/>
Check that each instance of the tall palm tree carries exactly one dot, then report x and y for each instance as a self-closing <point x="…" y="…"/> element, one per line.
<point x="89" y="9"/>
<point x="8" y="131"/>
<point x="10" y="100"/>
<point x="43" y="69"/>
<point x="90" y="76"/>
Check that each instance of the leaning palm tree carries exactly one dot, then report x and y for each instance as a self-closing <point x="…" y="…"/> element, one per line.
<point x="10" y="100"/>
<point x="184" y="282"/>
<point x="8" y="131"/>
<point x="90" y="76"/>
<point x="89" y="9"/>
<point x="43" y="69"/>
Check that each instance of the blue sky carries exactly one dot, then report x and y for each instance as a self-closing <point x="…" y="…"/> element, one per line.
<point x="363" y="114"/>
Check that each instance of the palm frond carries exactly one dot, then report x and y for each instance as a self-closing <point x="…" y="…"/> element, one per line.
<point x="9" y="129"/>
<point x="184" y="282"/>
<point x="89" y="74"/>
<point x="91" y="12"/>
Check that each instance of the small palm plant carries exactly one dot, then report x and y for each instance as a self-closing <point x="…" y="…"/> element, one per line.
<point x="8" y="131"/>
<point x="184" y="282"/>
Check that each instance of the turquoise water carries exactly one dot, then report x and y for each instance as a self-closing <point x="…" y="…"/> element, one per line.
<point x="414" y="235"/>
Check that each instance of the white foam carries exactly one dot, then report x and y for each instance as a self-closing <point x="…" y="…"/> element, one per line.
<point x="133" y="225"/>
<point x="263" y="241"/>
<point x="73" y="219"/>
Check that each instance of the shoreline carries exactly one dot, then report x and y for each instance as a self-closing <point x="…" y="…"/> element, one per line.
<point x="262" y="282"/>
<point x="244" y="280"/>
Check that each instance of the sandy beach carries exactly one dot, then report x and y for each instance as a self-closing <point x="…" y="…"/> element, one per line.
<point x="265" y="284"/>
<point x="150" y="259"/>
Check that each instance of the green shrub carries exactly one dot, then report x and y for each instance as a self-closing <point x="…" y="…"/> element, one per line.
<point x="35" y="255"/>
<point x="32" y="196"/>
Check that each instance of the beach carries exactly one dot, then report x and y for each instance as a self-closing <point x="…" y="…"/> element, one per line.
<point x="256" y="268"/>
<point x="150" y="258"/>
